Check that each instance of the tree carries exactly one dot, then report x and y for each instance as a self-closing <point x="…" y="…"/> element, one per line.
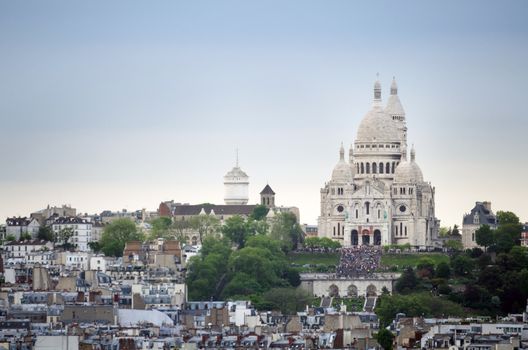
<point x="444" y="231"/>
<point x="180" y="229"/>
<point x="10" y="238"/>
<point x="64" y="235"/>
<point x="259" y="212"/>
<point x="484" y="236"/>
<point x="385" y="338"/>
<point x="443" y="270"/>
<point x="507" y="218"/>
<point x="116" y="234"/>
<point x="204" y="225"/>
<point x="25" y="236"/>
<point x="455" y="231"/>
<point x="287" y="300"/>
<point x="407" y="281"/>
<point x="45" y="233"/>
<point x="161" y="227"/>
<point x="94" y="246"/>
<point x="237" y="230"/>
<point x="454" y="244"/>
<point x="207" y="272"/>
<point x="286" y="229"/>
<point x="425" y="267"/>
<point x="506" y="236"/>
<point x="462" y="265"/>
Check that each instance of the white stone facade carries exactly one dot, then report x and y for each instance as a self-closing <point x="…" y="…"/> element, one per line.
<point x="236" y="184"/>
<point x="378" y="196"/>
<point x="330" y="285"/>
<point x="82" y="231"/>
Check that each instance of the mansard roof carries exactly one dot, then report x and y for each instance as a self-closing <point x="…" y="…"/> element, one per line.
<point x="485" y="215"/>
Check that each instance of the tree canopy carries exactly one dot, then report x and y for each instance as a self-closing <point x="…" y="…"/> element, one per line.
<point x="221" y="272"/>
<point x="286" y="230"/>
<point x="116" y="234"/>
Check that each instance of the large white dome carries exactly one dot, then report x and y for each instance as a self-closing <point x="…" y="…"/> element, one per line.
<point x="408" y="172"/>
<point x="377" y="126"/>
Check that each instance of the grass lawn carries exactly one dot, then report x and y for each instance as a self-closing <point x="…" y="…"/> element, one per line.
<point x="404" y="260"/>
<point x="314" y="258"/>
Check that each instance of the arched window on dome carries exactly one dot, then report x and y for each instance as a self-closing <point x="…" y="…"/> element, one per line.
<point x="357" y="168"/>
<point x="387" y="168"/>
<point x="392" y="167"/>
<point x="357" y="213"/>
<point x="405" y="230"/>
<point x="374" y="168"/>
<point x="362" y="168"/>
<point x="367" y="170"/>
<point x="381" y="168"/>
<point x="334" y="230"/>
<point x="396" y="230"/>
<point x="367" y="208"/>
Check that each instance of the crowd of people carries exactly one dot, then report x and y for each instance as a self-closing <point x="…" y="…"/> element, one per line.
<point x="359" y="261"/>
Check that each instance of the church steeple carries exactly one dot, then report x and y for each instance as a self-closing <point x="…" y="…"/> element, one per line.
<point x="351" y="153"/>
<point x="394" y="87"/>
<point x="377" y="92"/>
<point x="413" y="154"/>
<point x="342" y="153"/>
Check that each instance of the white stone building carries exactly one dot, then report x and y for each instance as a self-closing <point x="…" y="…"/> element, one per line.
<point x="236" y="184"/>
<point x="82" y="231"/>
<point x="21" y="249"/>
<point x="17" y="226"/>
<point x="379" y="196"/>
<point x="481" y="214"/>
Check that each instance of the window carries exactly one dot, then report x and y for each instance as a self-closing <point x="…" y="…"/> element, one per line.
<point x="387" y="168"/>
<point x="334" y="230"/>
<point x="367" y="168"/>
<point x="403" y="208"/>
<point x="362" y="168"/>
<point x="374" y="168"/>
<point x="340" y="208"/>
<point x="357" y="213"/>
<point x="381" y="168"/>
<point x="367" y="208"/>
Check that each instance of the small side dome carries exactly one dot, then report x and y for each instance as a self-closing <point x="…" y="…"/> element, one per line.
<point x="394" y="107"/>
<point x="408" y="172"/>
<point x="342" y="171"/>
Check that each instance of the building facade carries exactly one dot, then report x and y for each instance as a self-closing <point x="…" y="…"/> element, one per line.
<point x="481" y="214"/>
<point x="82" y="231"/>
<point x="379" y="196"/>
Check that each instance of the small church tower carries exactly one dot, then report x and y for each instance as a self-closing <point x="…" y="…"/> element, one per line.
<point x="267" y="197"/>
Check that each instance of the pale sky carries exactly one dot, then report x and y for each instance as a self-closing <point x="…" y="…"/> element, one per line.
<point x="124" y="104"/>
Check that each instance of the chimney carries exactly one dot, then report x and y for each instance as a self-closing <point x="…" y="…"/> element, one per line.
<point x="487" y="205"/>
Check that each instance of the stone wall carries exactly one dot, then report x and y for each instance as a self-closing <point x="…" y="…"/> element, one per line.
<point x="328" y="284"/>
